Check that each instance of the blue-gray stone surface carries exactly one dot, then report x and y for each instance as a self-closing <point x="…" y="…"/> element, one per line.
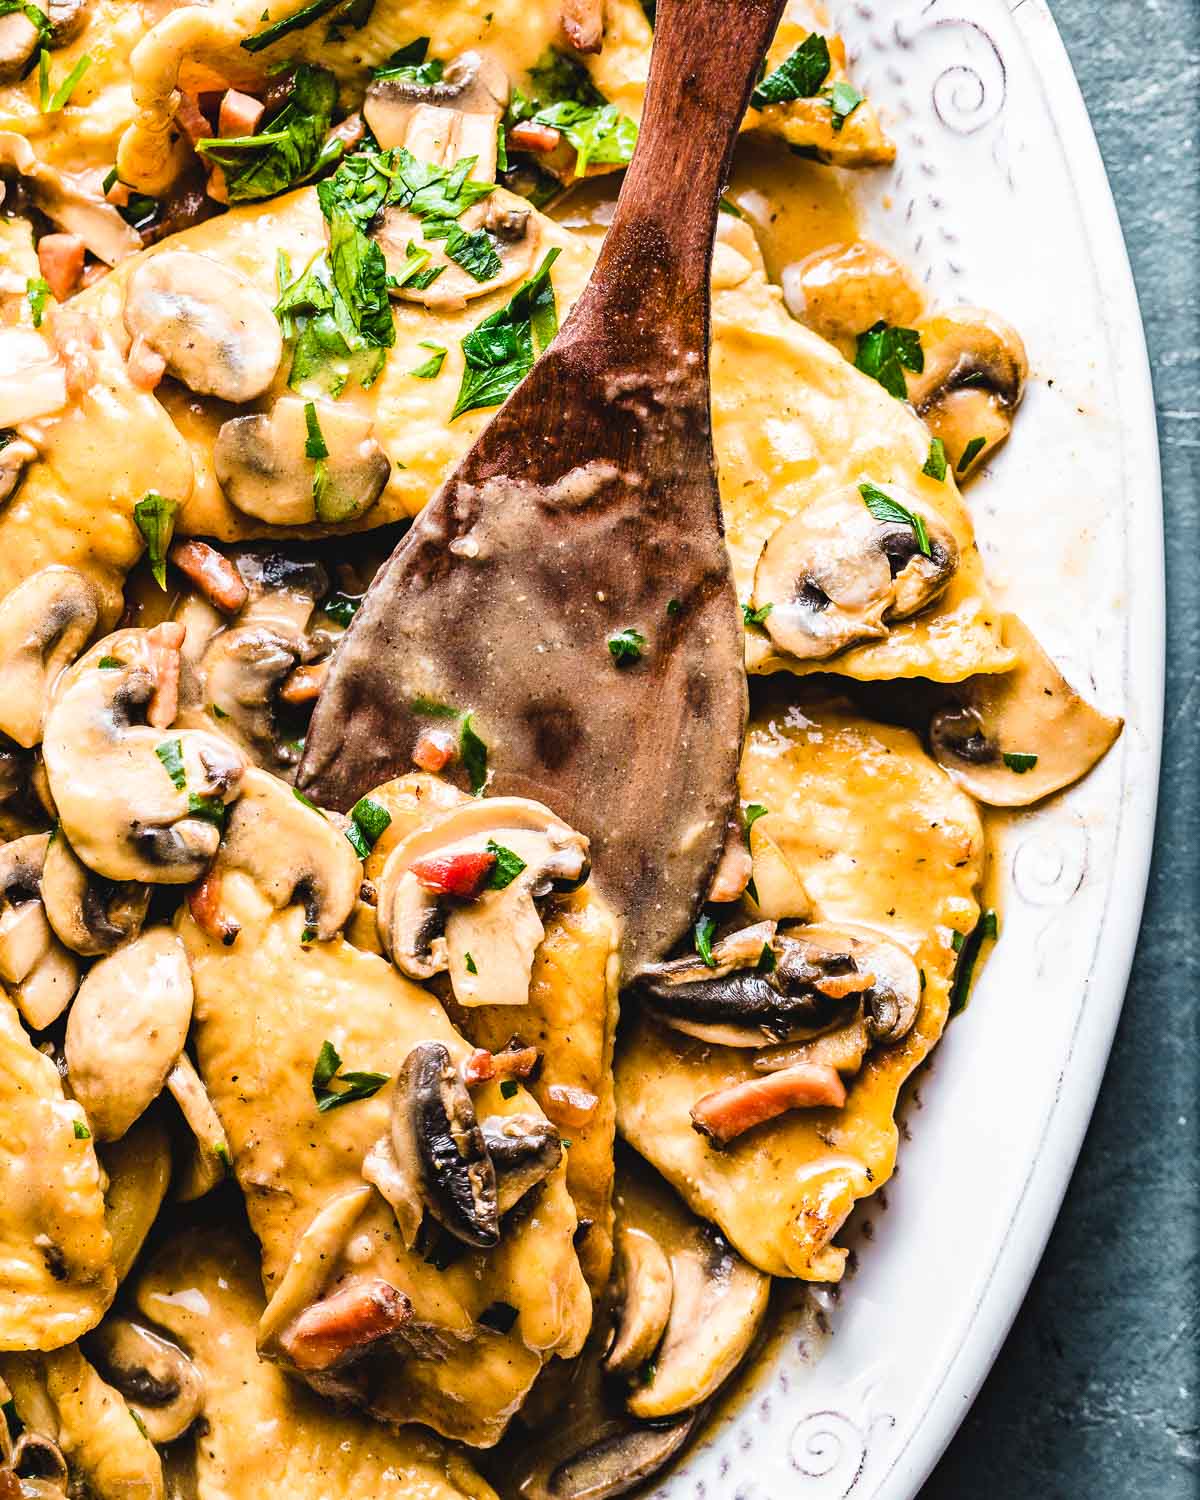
<point x="1096" y="1395"/>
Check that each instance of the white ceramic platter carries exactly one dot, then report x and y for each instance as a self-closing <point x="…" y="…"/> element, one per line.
<point x="998" y="197"/>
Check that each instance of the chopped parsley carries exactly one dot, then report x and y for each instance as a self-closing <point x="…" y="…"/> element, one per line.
<point x="884" y="353"/>
<point x="409" y="63"/>
<point x="704" y="930"/>
<point x="170" y="752"/>
<point x="208" y="806"/>
<point x="306" y="801"/>
<point x="751" y="813"/>
<point x="433" y="707"/>
<point x="110" y="663"/>
<point x="673" y="606"/>
<point x="565" y="99"/>
<point x="342" y="608"/>
<point x="756" y="616"/>
<point x="970" y="453"/>
<point x="935" y="464"/>
<point x="316" y="449"/>
<point x="50" y="101"/>
<point x="308" y="936"/>
<point x="508" y="1088"/>
<point x="968" y="950"/>
<point x="327" y="1070"/>
<point x="474" y="755"/>
<point x="766" y="960"/>
<point x="1019" y="761"/>
<point x="82" y="1133"/>
<point x="801" y="75"/>
<point x="507" y="867"/>
<point x="154" y="516"/>
<point x="292" y="146"/>
<point x="473" y="969"/>
<point x="844" y="99"/>
<point x="356" y="14"/>
<point x="222" y="1153"/>
<point x="499" y="352"/>
<point x="368" y="820"/>
<point x="432" y="367"/>
<point x="37" y="294"/>
<point x="626" y="646"/>
<point x="884" y="508"/>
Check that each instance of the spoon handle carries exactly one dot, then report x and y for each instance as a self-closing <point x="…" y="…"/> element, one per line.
<point x="650" y="283"/>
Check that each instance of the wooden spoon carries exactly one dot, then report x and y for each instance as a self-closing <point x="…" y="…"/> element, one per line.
<point x="588" y="507"/>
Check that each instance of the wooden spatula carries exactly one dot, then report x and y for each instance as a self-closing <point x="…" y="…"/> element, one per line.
<point x="587" y="508"/>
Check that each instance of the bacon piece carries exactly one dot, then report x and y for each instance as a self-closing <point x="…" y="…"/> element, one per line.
<point x="212" y="573"/>
<point x="163" y="642"/>
<point x="582" y="24"/>
<point x="239" y="113"/>
<point x="191" y="118"/>
<point x="569" y="1106"/>
<point x="342" y="1327"/>
<point x="455" y="874"/>
<point x="480" y="1067"/>
<point x="434" y="749"/>
<point x="726" y="1113"/>
<point x="145" y="365"/>
<point x="204" y="903"/>
<point x="514" y="1062"/>
<point x="60" y="257"/>
<point x="541" y="139"/>
<point x="304" y="683"/>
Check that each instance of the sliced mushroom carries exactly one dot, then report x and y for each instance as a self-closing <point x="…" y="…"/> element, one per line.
<point x="292" y="852"/>
<point x="33" y="380"/>
<point x="38" y="972"/>
<point x="18" y="44"/>
<point x="136" y="803"/>
<point x="844" y="1048"/>
<point x="44" y="624"/>
<point x="842" y="289"/>
<point x="138" y="1168"/>
<point x="127" y="1028"/>
<point x="524" y="1150"/>
<point x="91" y="915"/>
<point x="311" y="1263"/>
<point x="262" y="465"/>
<point x="488" y="942"/>
<point x="1015" y="737"/>
<point x="164" y="1389"/>
<point x="437" y="1139"/>
<point x="445" y="121"/>
<point x="834" y="574"/>
<point x="75" y="202"/>
<point x="718" y="1305"/>
<point x="645" y="1288"/>
<point x="972" y="382"/>
<point x="210" y="1159"/>
<point x="40" y="1469"/>
<point x="216" y="332"/>
<point x="15" y="456"/>
<point x="619" y="1463"/>
<point x="511" y="227"/>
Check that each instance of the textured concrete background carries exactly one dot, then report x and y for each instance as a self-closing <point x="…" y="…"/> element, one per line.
<point x="1096" y="1395"/>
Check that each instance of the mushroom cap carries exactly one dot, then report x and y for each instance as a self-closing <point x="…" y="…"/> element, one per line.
<point x="45" y="622"/>
<point x="40" y="974"/>
<point x="438" y="1143"/>
<point x="986" y="737"/>
<point x="617" y="1463"/>
<point x="210" y="1158"/>
<point x="443" y="122"/>
<point x="33" y="380"/>
<point x="500" y="930"/>
<point x="524" y="1150"/>
<point x="834" y="575"/>
<point x="127" y="1028"/>
<point x="517" y="248"/>
<point x="138" y="1168"/>
<point x="646" y="1286"/>
<point x="292" y="852"/>
<point x="162" y="1386"/>
<point x="89" y="914"/>
<point x="262" y="467"/>
<point x="124" y="811"/>
<point x="841" y="289"/>
<point x="215" y="330"/>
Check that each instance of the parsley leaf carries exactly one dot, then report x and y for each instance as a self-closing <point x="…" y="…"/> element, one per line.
<point x="599" y="134"/>
<point x="305" y="16"/>
<point x="409" y="63"/>
<point x="507" y="867"/>
<point x="342" y="608"/>
<point x="50" y="102"/>
<point x="473" y="969"/>
<point x="756" y="616"/>
<point x="968" y="949"/>
<point x="170" y="752"/>
<point x="884" y="508"/>
<point x="508" y="1088"/>
<point x="704" y="930"/>
<point x="935" y="464"/>
<point x="432" y="367"/>
<point x="208" y="806"/>
<point x="327" y="1070"/>
<point x="844" y="99"/>
<point x="499" y="352"/>
<point x="885" y="352"/>
<point x="474" y="755"/>
<point x="154" y="516"/>
<point x="368" y="821"/>
<point x="626" y="646"/>
<point x="110" y="663"/>
<point x="969" y="454"/>
<point x="751" y="813"/>
<point x="289" y="149"/>
<point x="314" y="443"/>
<point x="799" y="76"/>
<point x="81" y="1132"/>
<point x="1019" y="761"/>
<point x="37" y="294"/>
